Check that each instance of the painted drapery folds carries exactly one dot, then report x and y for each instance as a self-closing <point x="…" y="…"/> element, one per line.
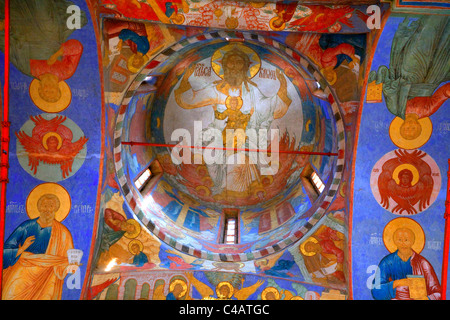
<point x="408" y="90"/>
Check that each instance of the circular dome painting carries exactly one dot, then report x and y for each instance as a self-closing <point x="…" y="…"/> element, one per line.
<point x="236" y="133"/>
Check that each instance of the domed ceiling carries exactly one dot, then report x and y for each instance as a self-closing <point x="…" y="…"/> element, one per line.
<point x="279" y="132"/>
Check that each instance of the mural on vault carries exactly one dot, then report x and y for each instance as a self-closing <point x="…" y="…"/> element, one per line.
<point x="222" y="99"/>
<point x="398" y="170"/>
<point x="241" y="103"/>
<point x="261" y="16"/>
<point x="406" y="182"/>
<point x="321" y="257"/>
<point x="418" y="66"/>
<point x="407" y="91"/>
<point x="54" y="148"/>
<point x="41" y="49"/>
<point x="36" y="253"/>
<point x="186" y="204"/>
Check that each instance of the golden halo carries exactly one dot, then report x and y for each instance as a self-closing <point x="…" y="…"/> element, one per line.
<point x="255" y="61"/>
<point x="227" y="284"/>
<point x="281" y="28"/>
<point x="130" y="65"/>
<point x="392" y="226"/>
<point x="50" y="107"/>
<point x="270" y="178"/>
<point x="51" y="134"/>
<point x="399" y="141"/>
<point x="296" y="298"/>
<point x="411" y="168"/>
<point x="49" y="188"/>
<point x="207" y="181"/>
<point x="203" y="188"/>
<point x="182" y="283"/>
<point x="163" y="186"/>
<point x="137" y="231"/>
<point x="268" y="290"/>
<point x="259" y="189"/>
<point x="187" y="199"/>
<point x="201" y="168"/>
<point x="139" y="243"/>
<point x="302" y="247"/>
<point x="333" y="80"/>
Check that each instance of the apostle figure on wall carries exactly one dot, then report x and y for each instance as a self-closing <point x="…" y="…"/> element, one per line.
<point x="405" y="182"/>
<point x="404" y="274"/>
<point x="323" y="258"/>
<point x="35" y="259"/>
<point x="238" y="103"/>
<point x="50" y="143"/>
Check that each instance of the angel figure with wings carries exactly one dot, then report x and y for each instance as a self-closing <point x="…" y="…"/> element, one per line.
<point x="224" y="289"/>
<point x="51" y="143"/>
<point x="407" y="180"/>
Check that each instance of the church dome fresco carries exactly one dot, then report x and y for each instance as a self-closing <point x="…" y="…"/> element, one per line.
<point x="234" y="129"/>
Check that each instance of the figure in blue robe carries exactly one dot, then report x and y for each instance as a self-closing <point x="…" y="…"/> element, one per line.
<point x="141" y="42"/>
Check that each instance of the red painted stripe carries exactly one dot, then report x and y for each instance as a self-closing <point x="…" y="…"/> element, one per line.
<point x="153" y="64"/>
<point x="197" y="253"/>
<point x="325" y="204"/>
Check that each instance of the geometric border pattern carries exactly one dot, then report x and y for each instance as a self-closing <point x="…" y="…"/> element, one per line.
<point x="134" y="200"/>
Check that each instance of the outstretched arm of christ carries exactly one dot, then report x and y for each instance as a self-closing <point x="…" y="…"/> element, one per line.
<point x="220" y="115"/>
<point x="426" y="106"/>
<point x="62" y="64"/>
